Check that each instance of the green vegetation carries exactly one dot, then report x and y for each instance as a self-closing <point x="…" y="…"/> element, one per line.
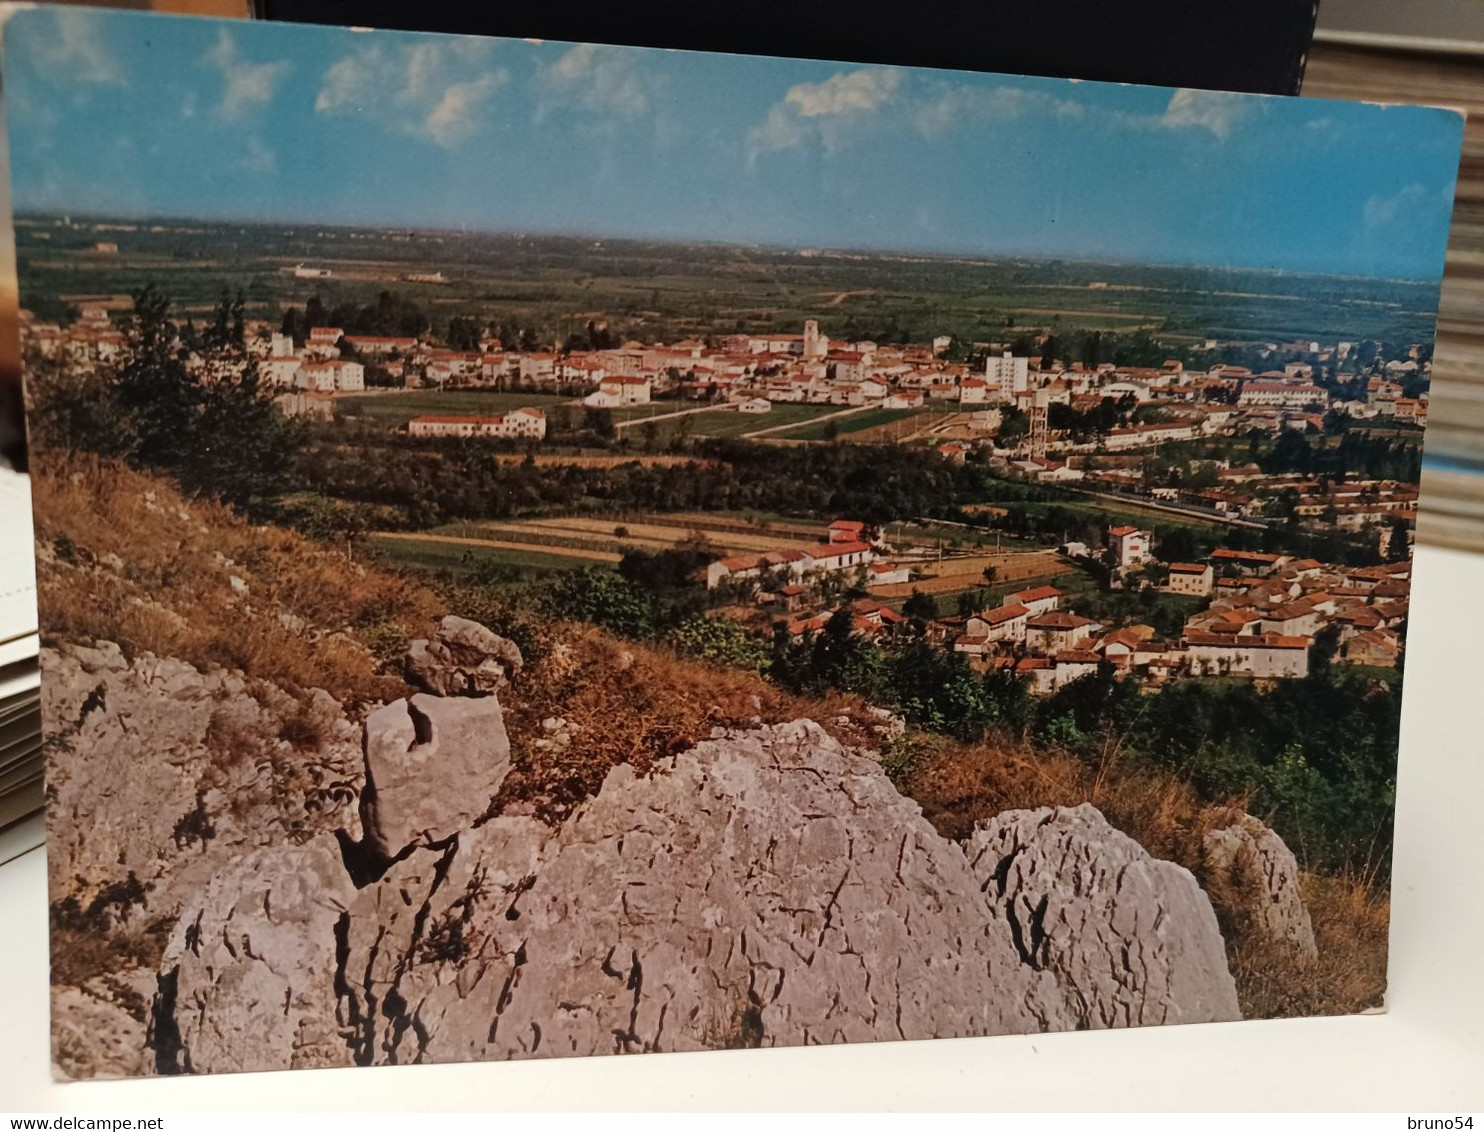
<point x="212" y="425"/>
<point x="400" y="407"/>
<point x="541" y="291"/>
<point x="458" y="560"/>
<point x="851" y="423"/>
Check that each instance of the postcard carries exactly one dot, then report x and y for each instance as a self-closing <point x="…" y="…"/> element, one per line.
<point x="553" y="549"/>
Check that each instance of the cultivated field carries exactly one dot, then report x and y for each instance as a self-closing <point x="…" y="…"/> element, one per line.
<point x="398" y="406"/>
<point x="953" y="575"/>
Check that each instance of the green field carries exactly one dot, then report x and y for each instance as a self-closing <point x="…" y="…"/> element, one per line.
<point x="736" y="424"/>
<point x="845" y="426"/>
<point x="401" y="407"/>
<point x="462" y="560"/>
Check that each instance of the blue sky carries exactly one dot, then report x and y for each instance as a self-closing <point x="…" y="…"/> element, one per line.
<point x="111" y="112"/>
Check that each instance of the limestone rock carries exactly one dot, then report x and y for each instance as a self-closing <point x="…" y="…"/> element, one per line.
<point x="463" y="659"/>
<point x="247" y="981"/>
<point x="1249" y="864"/>
<point x="1132" y="941"/>
<point x="160" y="771"/>
<point x="432" y="767"/>
<point x="766" y="888"/>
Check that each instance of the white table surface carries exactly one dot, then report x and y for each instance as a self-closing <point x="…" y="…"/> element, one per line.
<point x="1425" y="1056"/>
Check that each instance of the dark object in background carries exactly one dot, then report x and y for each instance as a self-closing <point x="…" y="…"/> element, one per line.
<point x="1256" y="46"/>
<point x="12" y="425"/>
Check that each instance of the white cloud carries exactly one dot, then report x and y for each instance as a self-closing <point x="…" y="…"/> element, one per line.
<point x="245" y="85"/>
<point x="432" y="89"/>
<point x="847" y="105"/>
<point x="258" y="158"/>
<point x="825" y="112"/>
<point x="845" y="93"/>
<point x="455" y="116"/>
<point x="598" y="79"/>
<point x="1211" y="110"/>
<point x="961" y="105"/>
<point x="1382" y="211"/>
<point x="74" y="52"/>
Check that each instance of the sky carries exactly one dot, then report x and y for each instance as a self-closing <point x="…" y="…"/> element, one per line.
<point x="139" y="115"/>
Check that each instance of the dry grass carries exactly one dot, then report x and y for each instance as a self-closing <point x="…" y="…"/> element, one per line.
<point x="123" y="557"/>
<point x="625" y="703"/>
<point x="958" y="785"/>
<point x="1350" y="918"/>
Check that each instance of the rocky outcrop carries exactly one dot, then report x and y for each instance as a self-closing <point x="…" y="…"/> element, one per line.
<point x="770" y="888"/>
<point x="1131" y="940"/>
<point x="160" y="772"/>
<point x="161" y="776"/>
<point x="1249" y="866"/>
<point x="432" y="767"/>
<point x="766" y="887"/>
<point x="247" y="981"/>
<point x="93" y="1033"/>
<point x="463" y="659"/>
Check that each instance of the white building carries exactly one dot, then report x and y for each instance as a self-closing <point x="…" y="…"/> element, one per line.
<point x="1130" y="545"/>
<point x="619" y="389"/>
<point x="1280" y="393"/>
<point x="1265" y="655"/>
<point x="1006" y="375"/>
<point x="334" y="376"/>
<point x="524" y="423"/>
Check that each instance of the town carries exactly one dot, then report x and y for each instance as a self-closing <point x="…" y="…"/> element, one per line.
<point x="1174" y="439"/>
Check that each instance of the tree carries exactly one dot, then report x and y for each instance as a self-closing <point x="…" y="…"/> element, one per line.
<point x="463" y="334"/>
<point x="922" y="606"/>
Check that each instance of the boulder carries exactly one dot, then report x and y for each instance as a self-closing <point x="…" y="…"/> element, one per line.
<point x="1131" y="940"/>
<point x="769" y="888"/>
<point x="432" y="766"/>
<point x="463" y="659"/>
<point x="248" y="977"/>
<point x="1256" y="873"/>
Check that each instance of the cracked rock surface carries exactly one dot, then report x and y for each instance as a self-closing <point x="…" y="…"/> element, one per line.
<point x="160" y="776"/>
<point x="766" y="887"/>
<point x="770" y="888"/>
<point x="248" y="977"/>
<point x="432" y="766"/>
<point x="1131" y="940"/>
<point x="1251" y="862"/>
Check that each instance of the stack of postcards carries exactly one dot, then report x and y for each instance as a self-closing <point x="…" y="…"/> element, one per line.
<point x="20" y="701"/>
